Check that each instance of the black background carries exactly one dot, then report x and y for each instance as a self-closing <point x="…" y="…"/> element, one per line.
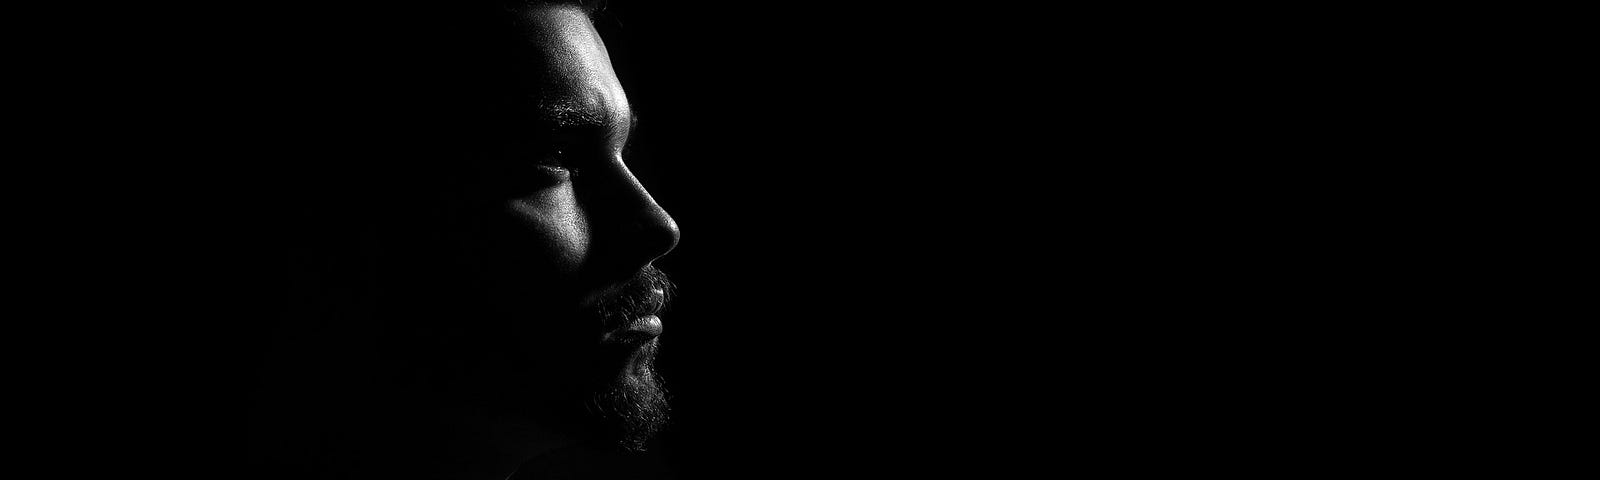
<point x="916" y="240"/>
<point x="875" y="226"/>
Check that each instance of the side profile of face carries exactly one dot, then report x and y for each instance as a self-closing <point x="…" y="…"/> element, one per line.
<point x="506" y="301"/>
<point x="570" y="242"/>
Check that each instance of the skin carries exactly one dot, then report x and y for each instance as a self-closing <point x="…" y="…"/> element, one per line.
<point x="602" y="226"/>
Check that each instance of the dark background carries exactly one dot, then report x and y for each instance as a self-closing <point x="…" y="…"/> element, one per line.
<point x="860" y="192"/>
<point x="916" y="240"/>
<point x="872" y="202"/>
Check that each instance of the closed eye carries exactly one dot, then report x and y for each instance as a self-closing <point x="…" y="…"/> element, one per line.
<point x="564" y="159"/>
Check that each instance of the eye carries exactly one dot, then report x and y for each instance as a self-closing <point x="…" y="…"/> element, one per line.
<point x="557" y="162"/>
<point x="543" y="172"/>
<point x="526" y="171"/>
<point x="551" y="174"/>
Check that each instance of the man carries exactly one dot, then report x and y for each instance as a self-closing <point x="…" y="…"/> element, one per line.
<point x="471" y="281"/>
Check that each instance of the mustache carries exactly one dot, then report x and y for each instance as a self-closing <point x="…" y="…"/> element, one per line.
<point x="648" y="292"/>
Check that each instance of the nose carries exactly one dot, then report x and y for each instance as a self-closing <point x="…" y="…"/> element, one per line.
<point x="638" y="230"/>
<point x="653" y="231"/>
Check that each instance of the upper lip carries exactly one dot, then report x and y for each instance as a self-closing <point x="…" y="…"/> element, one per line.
<point x="651" y="303"/>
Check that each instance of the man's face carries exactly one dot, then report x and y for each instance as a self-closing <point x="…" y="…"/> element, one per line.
<point x="590" y="218"/>
<point x="560" y="238"/>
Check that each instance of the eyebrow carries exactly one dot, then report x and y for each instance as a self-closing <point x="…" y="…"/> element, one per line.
<point x="565" y="113"/>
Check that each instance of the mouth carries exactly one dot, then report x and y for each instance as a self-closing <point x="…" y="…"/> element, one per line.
<point x="636" y="332"/>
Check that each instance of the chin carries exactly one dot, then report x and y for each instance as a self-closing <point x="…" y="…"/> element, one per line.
<point x="632" y="407"/>
<point x="616" y="401"/>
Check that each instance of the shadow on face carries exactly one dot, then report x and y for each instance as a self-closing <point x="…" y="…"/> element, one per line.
<point x="470" y="254"/>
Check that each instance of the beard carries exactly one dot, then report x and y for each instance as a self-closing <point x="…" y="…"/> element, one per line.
<point x="578" y="380"/>
<point x="633" y="407"/>
<point x="546" y="359"/>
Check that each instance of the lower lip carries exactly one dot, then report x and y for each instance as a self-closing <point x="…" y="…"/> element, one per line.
<point x="649" y="324"/>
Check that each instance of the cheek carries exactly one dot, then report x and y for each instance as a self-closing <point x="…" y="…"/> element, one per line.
<point x="556" y="227"/>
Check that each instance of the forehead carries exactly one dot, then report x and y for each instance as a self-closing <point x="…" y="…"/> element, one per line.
<point x="577" y="81"/>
